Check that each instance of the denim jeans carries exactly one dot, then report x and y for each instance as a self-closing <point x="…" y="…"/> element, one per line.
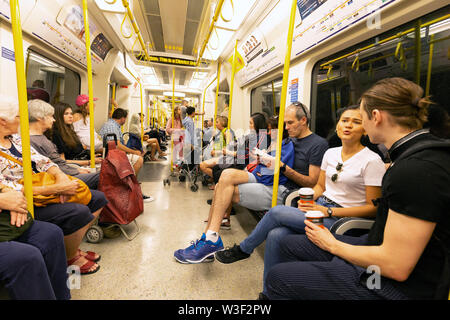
<point x="277" y="223"/>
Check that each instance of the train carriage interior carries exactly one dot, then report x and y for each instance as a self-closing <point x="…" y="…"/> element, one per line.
<point x="150" y="71"/>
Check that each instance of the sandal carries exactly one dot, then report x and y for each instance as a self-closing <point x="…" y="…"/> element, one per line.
<point x="85" y="268"/>
<point x="226" y="225"/>
<point x="90" y="255"/>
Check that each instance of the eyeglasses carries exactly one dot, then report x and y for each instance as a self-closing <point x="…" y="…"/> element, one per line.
<point x="334" y="177"/>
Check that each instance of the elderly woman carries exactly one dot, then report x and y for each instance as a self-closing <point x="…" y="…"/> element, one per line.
<point x="40" y="115"/>
<point x="150" y="144"/>
<point x="36" y="246"/>
<point x="73" y="218"/>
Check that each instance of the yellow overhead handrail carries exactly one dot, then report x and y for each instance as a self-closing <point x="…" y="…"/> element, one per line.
<point x="287" y="62"/>
<point x="401" y="34"/>
<point x="215" y="17"/>
<point x="355" y="64"/>
<point x="232" y="15"/>
<point x="430" y="65"/>
<point x="273" y="100"/>
<point x="112" y="2"/>
<point x="218" y="41"/>
<point x="142" y="102"/>
<point x="87" y="35"/>
<point x="135" y="27"/>
<point x="23" y="106"/>
<point x="203" y="108"/>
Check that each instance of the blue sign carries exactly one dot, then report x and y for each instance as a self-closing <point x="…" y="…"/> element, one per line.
<point x="8" y="54"/>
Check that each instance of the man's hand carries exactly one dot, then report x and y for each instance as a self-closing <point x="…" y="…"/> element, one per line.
<point x="321" y="237"/>
<point x="83" y="171"/>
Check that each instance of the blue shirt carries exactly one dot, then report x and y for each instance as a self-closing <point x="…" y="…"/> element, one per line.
<point x="188" y="124"/>
<point x="308" y="151"/>
<point x="111" y="126"/>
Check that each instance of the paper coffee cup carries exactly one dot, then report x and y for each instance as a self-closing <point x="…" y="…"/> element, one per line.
<point x="306" y="195"/>
<point x="315" y="217"/>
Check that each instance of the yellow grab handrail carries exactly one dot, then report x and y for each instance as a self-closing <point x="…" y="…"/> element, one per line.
<point x="217" y="93"/>
<point x="135" y="27"/>
<point x="90" y="87"/>
<point x="232" y="9"/>
<point x="233" y="73"/>
<point x="173" y="119"/>
<point x="23" y="107"/>
<point x="399" y="35"/>
<point x="287" y="61"/>
<point x="273" y="100"/>
<point x="430" y="65"/>
<point x="215" y="17"/>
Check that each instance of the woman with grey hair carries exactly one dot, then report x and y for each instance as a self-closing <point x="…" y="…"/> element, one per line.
<point x="40" y="115"/>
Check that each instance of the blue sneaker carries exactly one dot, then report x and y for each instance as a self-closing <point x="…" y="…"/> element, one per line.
<point x="180" y="253"/>
<point x="202" y="250"/>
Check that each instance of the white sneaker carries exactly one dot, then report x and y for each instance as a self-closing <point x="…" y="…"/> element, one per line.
<point x="148" y="198"/>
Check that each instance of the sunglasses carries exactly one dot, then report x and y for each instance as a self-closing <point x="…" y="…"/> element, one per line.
<point x="299" y="104"/>
<point x="334" y="177"/>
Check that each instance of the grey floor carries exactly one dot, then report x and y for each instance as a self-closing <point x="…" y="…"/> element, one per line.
<point x="144" y="268"/>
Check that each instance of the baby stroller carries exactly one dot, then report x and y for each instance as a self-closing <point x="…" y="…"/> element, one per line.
<point x="187" y="169"/>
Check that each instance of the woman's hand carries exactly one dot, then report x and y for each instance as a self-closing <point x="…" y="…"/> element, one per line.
<point x="13" y="201"/>
<point x="83" y="171"/>
<point x="312" y="207"/>
<point x="213" y="153"/>
<point x="321" y="237"/>
<point x="18" y="219"/>
<point x="98" y="160"/>
<point x="67" y="188"/>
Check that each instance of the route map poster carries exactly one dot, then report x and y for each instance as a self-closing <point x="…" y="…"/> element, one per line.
<point x="322" y="19"/>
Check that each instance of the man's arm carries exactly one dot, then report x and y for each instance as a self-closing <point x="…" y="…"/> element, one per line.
<point x="127" y="150"/>
<point x="396" y="256"/>
<point x="300" y="179"/>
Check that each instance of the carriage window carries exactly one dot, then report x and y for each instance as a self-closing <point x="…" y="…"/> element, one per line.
<point x="50" y="81"/>
<point x="266" y="98"/>
<point x="340" y="79"/>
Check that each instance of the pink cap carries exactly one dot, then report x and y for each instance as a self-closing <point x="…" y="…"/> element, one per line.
<point x="82" y="99"/>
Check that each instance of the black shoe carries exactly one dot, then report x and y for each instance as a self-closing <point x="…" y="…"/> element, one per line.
<point x="209" y="201"/>
<point x="231" y="255"/>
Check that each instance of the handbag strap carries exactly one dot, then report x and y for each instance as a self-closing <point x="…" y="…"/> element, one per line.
<point x="7" y="156"/>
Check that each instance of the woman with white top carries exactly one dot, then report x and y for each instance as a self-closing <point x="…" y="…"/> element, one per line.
<point x="350" y="178"/>
<point x="81" y="124"/>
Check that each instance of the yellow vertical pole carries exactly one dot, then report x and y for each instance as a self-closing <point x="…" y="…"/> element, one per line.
<point x="203" y="108"/>
<point x="418" y="50"/>
<point x="173" y="118"/>
<point x="142" y="112"/>
<point x="233" y="73"/>
<point x="430" y="66"/>
<point x="287" y="62"/>
<point x="23" y="107"/>
<point x="87" y="35"/>
<point x="113" y="97"/>
<point x="273" y="100"/>
<point x="217" y="94"/>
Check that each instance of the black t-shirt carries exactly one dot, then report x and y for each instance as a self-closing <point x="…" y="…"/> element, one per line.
<point x="69" y="153"/>
<point x="418" y="186"/>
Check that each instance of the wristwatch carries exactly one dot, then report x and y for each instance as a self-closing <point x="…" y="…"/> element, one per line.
<point x="283" y="168"/>
<point x="330" y="212"/>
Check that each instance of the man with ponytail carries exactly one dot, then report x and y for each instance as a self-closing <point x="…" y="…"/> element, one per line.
<point x="409" y="242"/>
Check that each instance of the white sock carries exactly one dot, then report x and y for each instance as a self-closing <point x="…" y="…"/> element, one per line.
<point x="212" y="236"/>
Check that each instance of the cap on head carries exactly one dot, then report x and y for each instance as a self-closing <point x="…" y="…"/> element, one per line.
<point x="83" y="99"/>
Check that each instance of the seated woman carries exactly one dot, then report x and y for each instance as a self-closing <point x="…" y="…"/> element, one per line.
<point x="150" y="144"/>
<point x="81" y="123"/>
<point x="36" y="246"/>
<point x="66" y="140"/>
<point x="218" y="146"/>
<point x="40" y="115"/>
<point x="350" y="178"/>
<point x="73" y="218"/>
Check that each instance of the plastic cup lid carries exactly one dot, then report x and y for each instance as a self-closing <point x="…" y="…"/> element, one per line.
<point x="314" y="214"/>
<point x="306" y="191"/>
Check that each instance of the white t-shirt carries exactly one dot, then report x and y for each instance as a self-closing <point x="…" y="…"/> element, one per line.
<point x="364" y="168"/>
<point x="83" y="132"/>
